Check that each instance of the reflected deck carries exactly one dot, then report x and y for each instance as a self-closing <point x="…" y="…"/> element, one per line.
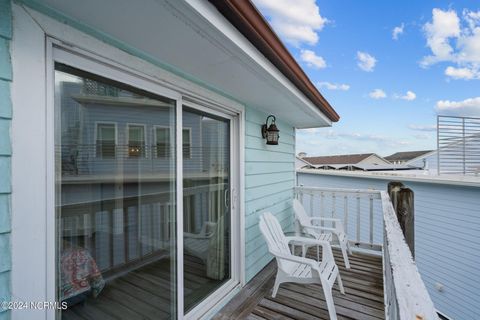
<point x="363" y="299"/>
<point x="145" y="293"/>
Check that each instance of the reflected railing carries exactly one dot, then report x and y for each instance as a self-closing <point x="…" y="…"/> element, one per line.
<point x="124" y="233"/>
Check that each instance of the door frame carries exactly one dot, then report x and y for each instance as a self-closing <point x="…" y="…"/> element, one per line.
<point x="36" y="65"/>
<point x="201" y="310"/>
<point x="74" y="58"/>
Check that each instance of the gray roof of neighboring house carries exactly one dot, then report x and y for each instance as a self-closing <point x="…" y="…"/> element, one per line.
<point x="407" y="155"/>
<point x="338" y="159"/>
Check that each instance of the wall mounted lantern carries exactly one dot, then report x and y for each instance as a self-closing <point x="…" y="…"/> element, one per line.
<point x="270" y="132"/>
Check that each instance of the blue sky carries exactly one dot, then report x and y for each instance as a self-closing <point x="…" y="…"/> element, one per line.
<point x="387" y="88"/>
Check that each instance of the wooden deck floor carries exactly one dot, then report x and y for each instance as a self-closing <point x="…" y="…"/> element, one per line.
<point x="363" y="299"/>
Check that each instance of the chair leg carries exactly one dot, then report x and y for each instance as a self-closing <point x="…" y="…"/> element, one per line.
<point x="340" y="283"/>
<point x="343" y="246"/>
<point x="276" y="286"/>
<point x="349" y="247"/>
<point x="327" y="291"/>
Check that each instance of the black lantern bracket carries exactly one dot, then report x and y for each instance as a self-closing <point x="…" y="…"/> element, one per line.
<point x="270" y="132"/>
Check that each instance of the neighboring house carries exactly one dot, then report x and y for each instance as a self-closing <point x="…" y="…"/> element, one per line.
<point x="407" y="157"/>
<point x="301" y="163"/>
<point x="347" y="161"/>
<point x="131" y="145"/>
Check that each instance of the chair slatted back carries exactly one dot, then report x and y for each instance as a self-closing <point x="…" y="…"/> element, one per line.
<point x="300" y="214"/>
<point x="303" y="218"/>
<point x="273" y="234"/>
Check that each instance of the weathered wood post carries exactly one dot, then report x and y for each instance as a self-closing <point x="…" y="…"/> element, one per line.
<point x="402" y="201"/>
<point x="392" y="190"/>
<point x="405" y="215"/>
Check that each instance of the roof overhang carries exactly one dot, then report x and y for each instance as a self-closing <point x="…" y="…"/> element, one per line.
<point x="246" y="18"/>
<point x="192" y="39"/>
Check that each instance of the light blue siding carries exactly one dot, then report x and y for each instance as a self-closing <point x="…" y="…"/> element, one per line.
<point x="447" y="242"/>
<point x="5" y="151"/>
<point x="269" y="181"/>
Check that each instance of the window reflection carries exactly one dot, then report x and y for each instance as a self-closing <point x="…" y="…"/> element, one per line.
<point x="206" y="205"/>
<point x="116" y="242"/>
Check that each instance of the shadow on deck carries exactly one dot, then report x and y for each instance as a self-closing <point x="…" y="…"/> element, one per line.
<point x="363" y="297"/>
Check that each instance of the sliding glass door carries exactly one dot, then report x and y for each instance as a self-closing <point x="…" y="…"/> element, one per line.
<point x="125" y="248"/>
<point x="115" y="199"/>
<point x="206" y="205"/>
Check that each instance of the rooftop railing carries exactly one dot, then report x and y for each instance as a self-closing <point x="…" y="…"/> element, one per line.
<point x="458" y="145"/>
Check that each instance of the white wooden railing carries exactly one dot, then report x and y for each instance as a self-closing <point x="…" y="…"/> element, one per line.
<point x="360" y="211"/>
<point x="371" y="223"/>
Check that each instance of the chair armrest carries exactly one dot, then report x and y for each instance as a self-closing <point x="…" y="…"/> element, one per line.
<point x="310" y="262"/>
<point x="338" y="223"/>
<point x="320" y="228"/>
<point x="327" y="253"/>
<point x="307" y="241"/>
<point x="197" y="235"/>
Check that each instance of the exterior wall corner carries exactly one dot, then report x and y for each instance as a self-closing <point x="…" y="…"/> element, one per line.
<point x="5" y="152"/>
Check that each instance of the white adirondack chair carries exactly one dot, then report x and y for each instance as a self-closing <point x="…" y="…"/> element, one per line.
<point x="321" y="232"/>
<point x="292" y="268"/>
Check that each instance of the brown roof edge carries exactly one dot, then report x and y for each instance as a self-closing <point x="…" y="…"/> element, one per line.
<point x="245" y="17"/>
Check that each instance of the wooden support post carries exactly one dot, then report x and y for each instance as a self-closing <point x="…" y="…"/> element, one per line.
<point x="402" y="200"/>
<point x="392" y="189"/>
<point x="405" y="215"/>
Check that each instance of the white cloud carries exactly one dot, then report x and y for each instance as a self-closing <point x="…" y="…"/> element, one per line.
<point x="444" y="25"/>
<point x="356" y="136"/>
<point x="417" y="127"/>
<point x="365" y="61"/>
<point x="409" y="96"/>
<point x="334" y="86"/>
<point x="421" y="136"/>
<point x="296" y="21"/>
<point x="324" y="141"/>
<point x="461" y="73"/>
<point x="377" y="94"/>
<point x="467" y="107"/>
<point x="397" y="31"/>
<point x="312" y="59"/>
<point x="455" y="39"/>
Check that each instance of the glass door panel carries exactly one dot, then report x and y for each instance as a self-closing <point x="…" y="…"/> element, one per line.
<point x="115" y="199"/>
<point x="206" y="204"/>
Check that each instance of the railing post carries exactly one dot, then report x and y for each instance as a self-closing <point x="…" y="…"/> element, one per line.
<point x="402" y="200"/>
<point x="405" y="215"/>
<point x="392" y="189"/>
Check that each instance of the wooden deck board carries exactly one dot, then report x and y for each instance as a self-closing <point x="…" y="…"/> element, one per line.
<point x="363" y="299"/>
